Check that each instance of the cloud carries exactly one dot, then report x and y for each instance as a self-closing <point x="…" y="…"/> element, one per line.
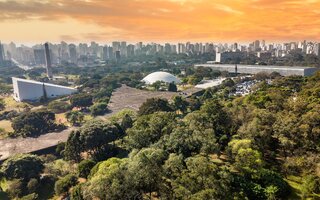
<point x="162" y="20"/>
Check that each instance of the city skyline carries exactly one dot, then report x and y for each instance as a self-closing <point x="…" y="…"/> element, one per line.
<point x="158" y="21"/>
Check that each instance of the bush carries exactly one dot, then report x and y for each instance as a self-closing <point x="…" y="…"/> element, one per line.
<point x="32" y="196"/>
<point x="60" y="148"/>
<point x="172" y="87"/>
<point x="23" y="166"/>
<point x="59" y="106"/>
<point x="32" y="185"/>
<point x="76" y="193"/>
<point x="99" y="109"/>
<point x="32" y="124"/>
<point x="81" y="100"/>
<point x="85" y="167"/>
<point x="64" y="184"/>
<point x="16" y="188"/>
<point x="310" y="185"/>
<point x="154" y="105"/>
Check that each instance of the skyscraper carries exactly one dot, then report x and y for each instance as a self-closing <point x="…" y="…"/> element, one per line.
<point x="118" y="56"/>
<point x="48" y="60"/>
<point x="123" y="49"/>
<point x="130" y="50"/>
<point x="1" y="53"/>
<point x="105" y="53"/>
<point x="73" y="53"/>
<point x="39" y="56"/>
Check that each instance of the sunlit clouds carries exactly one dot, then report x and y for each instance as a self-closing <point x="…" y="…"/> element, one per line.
<point x="159" y="20"/>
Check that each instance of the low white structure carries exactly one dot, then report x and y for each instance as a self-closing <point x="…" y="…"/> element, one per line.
<point x="254" y="69"/>
<point x="33" y="90"/>
<point x="161" y="76"/>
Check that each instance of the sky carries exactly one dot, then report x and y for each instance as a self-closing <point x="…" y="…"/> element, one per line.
<point x="37" y="21"/>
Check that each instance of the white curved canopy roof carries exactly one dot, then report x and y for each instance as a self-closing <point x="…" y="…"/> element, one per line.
<point x="160" y="76"/>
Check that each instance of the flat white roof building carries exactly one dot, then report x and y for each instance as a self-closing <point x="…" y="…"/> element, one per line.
<point x="33" y="90"/>
<point x="161" y="76"/>
<point x="254" y="69"/>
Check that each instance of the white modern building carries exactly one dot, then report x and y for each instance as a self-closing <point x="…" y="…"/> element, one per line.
<point x="161" y="76"/>
<point x="33" y="90"/>
<point x="254" y="69"/>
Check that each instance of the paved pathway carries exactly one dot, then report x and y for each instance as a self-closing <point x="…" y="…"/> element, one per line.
<point x="127" y="97"/>
<point x="14" y="146"/>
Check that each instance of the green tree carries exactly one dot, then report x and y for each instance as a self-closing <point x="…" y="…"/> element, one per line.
<point x="59" y="106"/>
<point x="63" y="185"/>
<point x="93" y="138"/>
<point x="157" y="85"/>
<point x="111" y="175"/>
<point x="22" y="166"/>
<point x="75" y="117"/>
<point x="34" y="123"/>
<point x="180" y="104"/>
<point x="172" y="87"/>
<point x="149" y="129"/>
<point x="99" y="109"/>
<point x="126" y="122"/>
<point x="145" y="170"/>
<point x="154" y="105"/>
<point x="76" y="193"/>
<point x="248" y="160"/>
<point x="73" y="147"/>
<point x="81" y="100"/>
<point x="85" y="167"/>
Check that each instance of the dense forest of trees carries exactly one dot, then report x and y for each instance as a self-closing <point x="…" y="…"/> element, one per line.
<point x="214" y="146"/>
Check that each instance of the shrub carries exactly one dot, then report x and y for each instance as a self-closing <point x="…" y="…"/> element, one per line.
<point x="32" y="196"/>
<point x="23" y="166"/>
<point x="59" y="106"/>
<point x="81" y="100"/>
<point x="16" y="188"/>
<point x="32" y="185"/>
<point x="85" y="167"/>
<point x="64" y="184"/>
<point x="32" y="124"/>
<point x="99" y="109"/>
<point x="76" y="193"/>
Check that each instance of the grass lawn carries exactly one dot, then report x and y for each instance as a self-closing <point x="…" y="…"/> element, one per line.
<point x="6" y="125"/>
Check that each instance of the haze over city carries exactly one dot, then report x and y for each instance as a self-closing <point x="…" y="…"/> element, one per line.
<point x="158" y="20"/>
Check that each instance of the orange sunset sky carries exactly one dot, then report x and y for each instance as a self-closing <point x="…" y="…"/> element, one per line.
<point x="31" y="21"/>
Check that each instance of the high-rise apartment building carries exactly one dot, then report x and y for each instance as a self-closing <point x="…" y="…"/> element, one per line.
<point x="123" y="49"/>
<point x="39" y="56"/>
<point x="130" y="50"/>
<point x="48" y="60"/>
<point x="73" y="53"/>
<point x="2" y="57"/>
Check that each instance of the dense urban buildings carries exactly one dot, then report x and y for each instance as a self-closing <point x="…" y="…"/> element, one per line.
<point x="84" y="55"/>
<point x="33" y="90"/>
